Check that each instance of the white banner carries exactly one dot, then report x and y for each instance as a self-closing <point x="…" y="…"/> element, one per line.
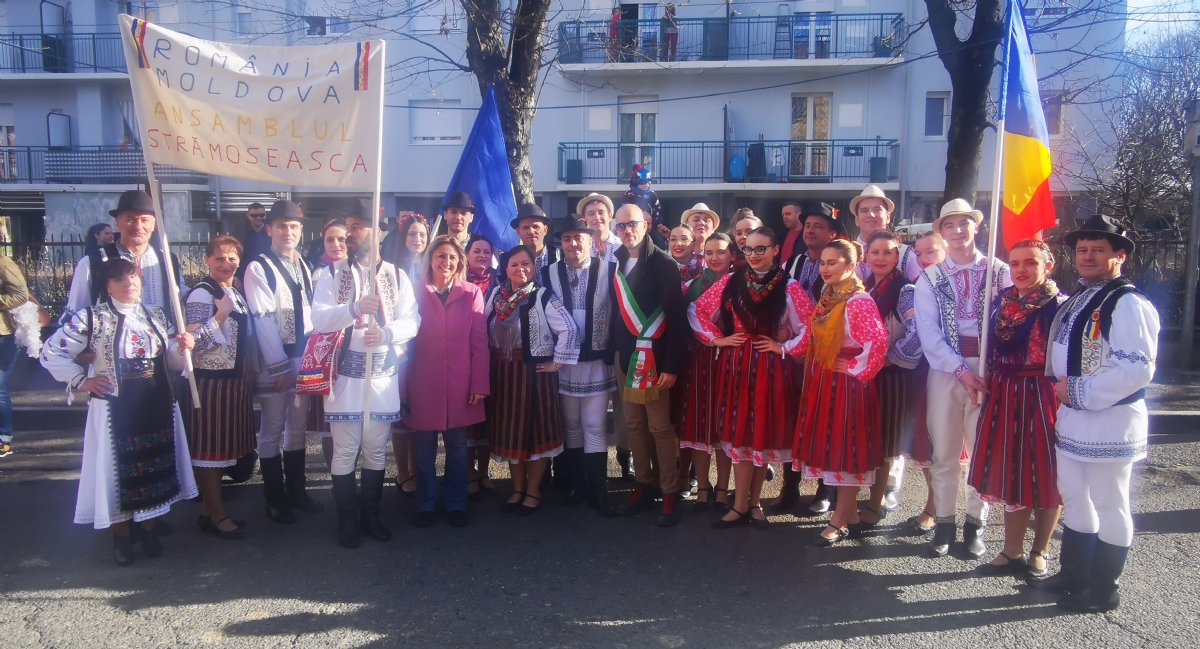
<point x="308" y="115"/>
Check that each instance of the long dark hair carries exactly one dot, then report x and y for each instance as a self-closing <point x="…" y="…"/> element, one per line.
<point x="91" y="243"/>
<point x="404" y="256"/>
<point x="759" y="313"/>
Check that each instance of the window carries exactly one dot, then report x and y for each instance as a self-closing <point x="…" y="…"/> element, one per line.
<point x="435" y="121"/>
<point x="316" y="26"/>
<point x="243" y="25"/>
<point x="339" y="25"/>
<point x="937" y="114"/>
<point x="1052" y="103"/>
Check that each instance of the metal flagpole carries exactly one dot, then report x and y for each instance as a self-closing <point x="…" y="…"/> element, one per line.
<point x="373" y="249"/>
<point x="993" y="217"/>
<point x="172" y="284"/>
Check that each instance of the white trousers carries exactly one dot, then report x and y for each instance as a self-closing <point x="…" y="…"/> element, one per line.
<point x="584" y="419"/>
<point x="952" y="420"/>
<point x="1095" y="498"/>
<point x="282" y="420"/>
<point x="619" y="437"/>
<point x="349" y="439"/>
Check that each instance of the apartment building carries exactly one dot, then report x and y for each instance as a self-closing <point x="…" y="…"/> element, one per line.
<point x="731" y="103"/>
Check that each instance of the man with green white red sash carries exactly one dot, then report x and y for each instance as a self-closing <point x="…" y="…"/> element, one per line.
<point x="650" y="337"/>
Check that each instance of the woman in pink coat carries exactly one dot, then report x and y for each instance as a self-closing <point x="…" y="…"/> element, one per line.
<point x="448" y="377"/>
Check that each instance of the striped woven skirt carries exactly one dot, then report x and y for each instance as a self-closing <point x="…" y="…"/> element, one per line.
<point x="316" y="417"/>
<point x="756" y="398"/>
<point x="838" y="435"/>
<point x="897" y="388"/>
<point x="916" y="444"/>
<point x="697" y="418"/>
<point x="523" y="415"/>
<point x="1014" y="461"/>
<point x="221" y="430"/>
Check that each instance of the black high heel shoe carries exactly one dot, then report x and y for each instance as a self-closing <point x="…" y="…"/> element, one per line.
<point x="411" y="495"/>
<point x="705" y="505"/>
<point x="854" y="530"/>
<point x="743" y="518"/>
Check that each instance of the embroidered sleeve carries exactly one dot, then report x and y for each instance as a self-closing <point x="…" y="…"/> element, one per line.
<point x="866" y="327"/>
<point x="1130" y="362"/>
<point x="702" y="312"/>
<point x="202" y="324"/>
<point x="328" y="313"/>
<point x="406" y="319"/>
<point x="799" y="314"/>
<point x="59" y="350"/>
<point x="261" y="302"/>
<point x="929" y="330"/>
<point x="912" y="268"/>
<point x="566" y="347"/>
<point x="907" y="351"/>
<point x="80" y="296"/>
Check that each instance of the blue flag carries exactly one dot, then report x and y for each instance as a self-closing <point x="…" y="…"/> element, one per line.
<point x="483" y="172"/>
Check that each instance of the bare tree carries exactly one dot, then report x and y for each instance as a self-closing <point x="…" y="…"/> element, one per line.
<point x="1136" y="170"/>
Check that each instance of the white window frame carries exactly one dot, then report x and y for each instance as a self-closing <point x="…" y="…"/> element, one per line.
<point x="452" y="110"/>
<point x="945" y="97"/>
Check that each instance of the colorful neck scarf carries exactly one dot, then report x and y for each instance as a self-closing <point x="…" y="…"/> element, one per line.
<point x="507" y="299"/>
<point x="886" y="292"/>
<point x="829" y="321"/>
<point x="479" y="279"/>
<point x="1013" y="312"/>
<point x="758" y="302"/>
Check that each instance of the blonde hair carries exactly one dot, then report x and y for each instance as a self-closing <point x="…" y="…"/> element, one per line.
<point x="460" y="272"/>
<point x="852" y="251"/>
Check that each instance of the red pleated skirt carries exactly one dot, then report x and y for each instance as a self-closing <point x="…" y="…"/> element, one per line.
<point x="1014" y="460"/>
<point x="523" y="414"/>
<point x="757" y="396"/>
<point x="697" y="417"/>
<point x="839" y="430"/>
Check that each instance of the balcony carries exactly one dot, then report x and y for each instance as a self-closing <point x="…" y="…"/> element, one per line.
<point x="738" y="42"/>
<point x="747" y="161"/>
<point x="85" y="165"/>
<point x="56" y="54"/>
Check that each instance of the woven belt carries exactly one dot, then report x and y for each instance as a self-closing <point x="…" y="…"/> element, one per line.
<point x="969" y="346"/>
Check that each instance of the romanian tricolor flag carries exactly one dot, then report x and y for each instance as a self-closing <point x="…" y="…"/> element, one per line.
<point x="1027" y="205"/>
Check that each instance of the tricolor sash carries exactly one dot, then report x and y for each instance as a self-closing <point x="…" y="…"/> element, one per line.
<point x="642" y="373"/>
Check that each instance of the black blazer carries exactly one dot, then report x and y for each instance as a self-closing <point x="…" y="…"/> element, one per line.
<point x="655" y="282"/>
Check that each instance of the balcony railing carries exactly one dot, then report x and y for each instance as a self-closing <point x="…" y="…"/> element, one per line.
<point x="85" y="165"/>
<point x="746" y="161"/>
<point x="798" y="36"/>
<point x="61" y="54"/>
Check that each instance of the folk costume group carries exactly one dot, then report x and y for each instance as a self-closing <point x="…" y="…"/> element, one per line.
<point x="842" y="360"/>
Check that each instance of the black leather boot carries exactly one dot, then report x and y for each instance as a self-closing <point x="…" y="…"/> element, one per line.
<point x="272" y="475"/>
<point x="344" y="495"/>
<point x="123" y="548"/>
<point x="573" y="459"/>
<point x="596" y="468"/>
<point x="789" y="493"/>
<point x="1074" y="563"/>
<point x="293" y="472"/>
<point x="368" y="508"/>
<point x="972" y="541"/>
<point x="943" y="536"/>
<point x="151" y="546"/>
<point x="1100" y="594"/>
<point x="625" y="461"/>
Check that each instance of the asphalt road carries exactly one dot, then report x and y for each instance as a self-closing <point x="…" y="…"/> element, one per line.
<point x="561" y="578"/>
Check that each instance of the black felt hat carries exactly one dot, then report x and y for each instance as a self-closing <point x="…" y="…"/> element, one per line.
<point x="460" y="200"/>
<point x="133" y="200"/>
<point x="529" y="211"/>
<point x="286" y="211"/>
<point x="824" y="210"/>
<point x="573" y="223"/>
<point x="1106" y="227"/>
<point x="360" y="208"/>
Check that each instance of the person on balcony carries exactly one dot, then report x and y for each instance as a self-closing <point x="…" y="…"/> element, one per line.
<point x="135" y="220"/>
<point x="670" y="34"/>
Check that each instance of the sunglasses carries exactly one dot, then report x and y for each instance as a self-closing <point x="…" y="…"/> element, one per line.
<point x="630" y="225"/>
<point x="258" y="216"/>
